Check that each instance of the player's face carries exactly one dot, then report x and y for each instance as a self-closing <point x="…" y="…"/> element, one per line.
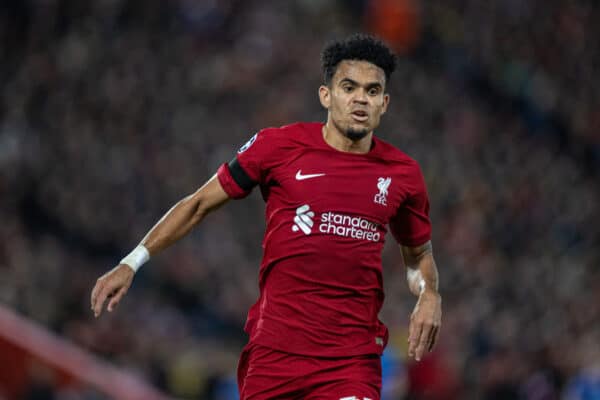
<point x="355" y="98"/>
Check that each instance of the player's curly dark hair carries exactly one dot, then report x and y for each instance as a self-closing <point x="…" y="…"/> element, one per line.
<point x="357" y="47"/>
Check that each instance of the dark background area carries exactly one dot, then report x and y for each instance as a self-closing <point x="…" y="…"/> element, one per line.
<point x="112" y="110"/>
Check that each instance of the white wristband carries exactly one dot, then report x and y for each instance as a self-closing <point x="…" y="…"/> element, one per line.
<point x="414" y="276"/>
<point x="136" y="258"/>
<point x="421" y="286"/>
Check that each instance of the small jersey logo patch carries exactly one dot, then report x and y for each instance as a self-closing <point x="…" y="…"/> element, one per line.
<point x="303" y="219"/>
<point x="301" y="177"/>
<point x="248" y="144"/>
<point x="382" y="184"/>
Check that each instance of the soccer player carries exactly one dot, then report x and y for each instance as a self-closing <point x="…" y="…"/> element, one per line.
<point x="331" y="191"/>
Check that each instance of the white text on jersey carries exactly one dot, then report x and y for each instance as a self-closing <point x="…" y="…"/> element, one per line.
<point x="345" y="225"/>
<point x="336" y="224"/>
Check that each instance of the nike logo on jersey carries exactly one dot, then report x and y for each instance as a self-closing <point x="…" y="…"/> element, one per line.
<point x="300" y="177"/>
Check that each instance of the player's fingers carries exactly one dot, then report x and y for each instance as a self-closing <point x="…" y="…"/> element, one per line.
<point x="430" y="338"/>
<point x="423" y="341"/>
<point x="94" y="297"/>
<point x="102" y="295"/>
<point x="434" y="337"/>
<point x="98" y="303"/>
<point x="413" y="337"/>
<point x="114" y="301"/>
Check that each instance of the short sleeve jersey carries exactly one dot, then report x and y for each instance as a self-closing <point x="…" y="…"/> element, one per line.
<point x="327" y="213"/>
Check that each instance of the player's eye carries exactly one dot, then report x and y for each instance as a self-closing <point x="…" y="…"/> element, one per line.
<point x="347" y="88"/>
<point x="373" y="91"/>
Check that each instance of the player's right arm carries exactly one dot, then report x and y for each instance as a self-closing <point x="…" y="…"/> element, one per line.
<point x="232" y="180"/>
<point x="174" y="225"/>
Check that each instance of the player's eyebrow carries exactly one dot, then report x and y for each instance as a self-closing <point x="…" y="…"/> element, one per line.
<point x="368" y="85"/>
<point x="350" y="81"/>
<point x="375" y="85"/>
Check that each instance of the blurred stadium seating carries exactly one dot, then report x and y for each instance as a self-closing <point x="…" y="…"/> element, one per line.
<point x="112" y="110"/>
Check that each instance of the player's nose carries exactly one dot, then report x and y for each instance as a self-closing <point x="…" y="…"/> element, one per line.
<point x="360" y="96"/>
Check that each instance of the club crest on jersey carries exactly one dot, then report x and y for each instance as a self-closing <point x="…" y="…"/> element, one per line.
<point x="248" y="144"/>
<point x="382" y="184"/>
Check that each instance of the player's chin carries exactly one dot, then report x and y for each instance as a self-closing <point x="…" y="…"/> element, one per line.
<point x="361" y="126"/>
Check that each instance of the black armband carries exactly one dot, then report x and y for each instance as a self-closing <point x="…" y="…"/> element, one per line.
<point x="240" y="176"/>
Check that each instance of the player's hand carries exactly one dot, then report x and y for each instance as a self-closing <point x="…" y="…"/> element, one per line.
<point x="425" y="323"/>
<point x="112" y="286"/>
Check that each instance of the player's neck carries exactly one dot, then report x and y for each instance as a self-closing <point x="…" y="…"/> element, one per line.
<point x="339" y="141"/>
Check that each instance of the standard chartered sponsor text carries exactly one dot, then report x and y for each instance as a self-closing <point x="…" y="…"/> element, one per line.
<point x="345" y="225"/>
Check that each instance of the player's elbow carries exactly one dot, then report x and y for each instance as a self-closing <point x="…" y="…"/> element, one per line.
<point x="191" y="209"/>
<point x="206" y="199"/>
<point x="203" y="204"/>
<point x="200" y="209"/>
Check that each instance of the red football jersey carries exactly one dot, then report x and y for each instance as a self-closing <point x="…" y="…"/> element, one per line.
<point x="327" y="213"/>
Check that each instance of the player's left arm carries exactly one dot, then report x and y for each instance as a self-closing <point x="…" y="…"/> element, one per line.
<point x="426" y="318"/>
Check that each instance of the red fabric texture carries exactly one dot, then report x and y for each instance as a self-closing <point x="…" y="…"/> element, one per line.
<point x="327" y="213"/>
<point x="265" y="373"/>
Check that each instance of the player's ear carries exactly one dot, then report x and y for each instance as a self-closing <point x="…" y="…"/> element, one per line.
<point x="325" y="96"/>
<point x="386" y="101"/>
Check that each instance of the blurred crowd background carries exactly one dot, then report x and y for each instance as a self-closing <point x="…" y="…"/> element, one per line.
<point x="113" y="110"/>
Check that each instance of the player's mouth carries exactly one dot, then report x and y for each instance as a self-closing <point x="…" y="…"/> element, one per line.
<point x="360" y="115"/>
